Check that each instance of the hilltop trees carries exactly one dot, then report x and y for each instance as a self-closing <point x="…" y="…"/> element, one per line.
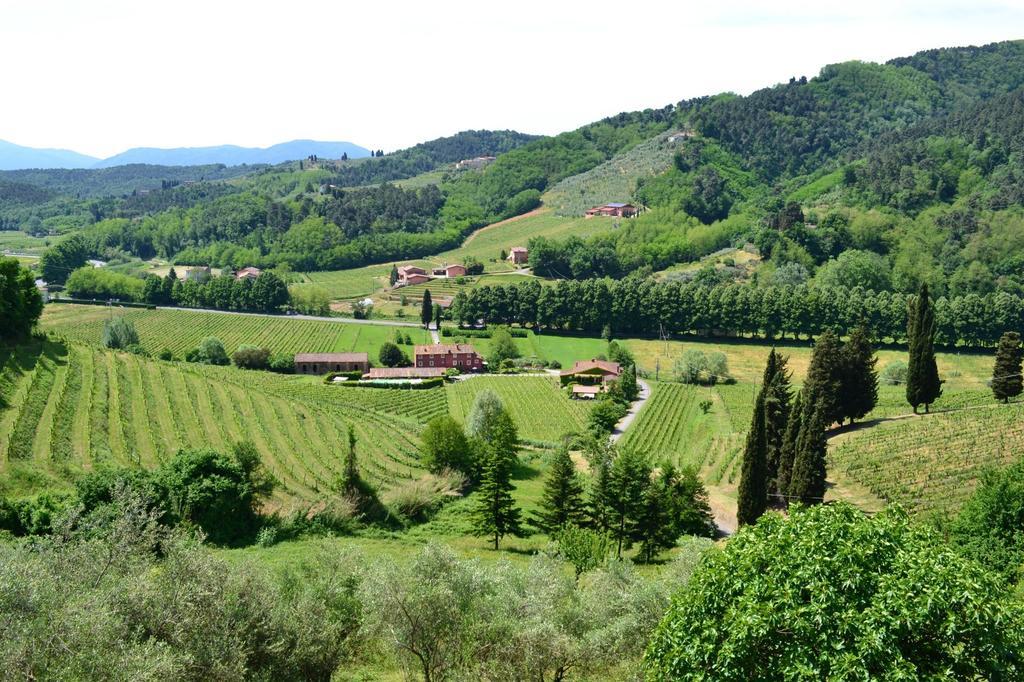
<point x="20" y="302"/>
<point x="923" y="383"/>
<point x="891" y="602"/>
<point x="1006" y="374"/>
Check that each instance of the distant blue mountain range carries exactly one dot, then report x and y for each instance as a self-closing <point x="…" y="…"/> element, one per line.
<point x="16" y="157"/>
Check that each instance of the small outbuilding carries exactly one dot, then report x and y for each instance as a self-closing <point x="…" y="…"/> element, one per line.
<point x="614" y="210"/>
<point x="450" y="271"/>
<point x="322" y="363"/>
<point x="518" y="255"/>
<point x="248" y="273"/>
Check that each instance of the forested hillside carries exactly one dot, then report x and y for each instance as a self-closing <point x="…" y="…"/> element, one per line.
<point x="879" y="176"/>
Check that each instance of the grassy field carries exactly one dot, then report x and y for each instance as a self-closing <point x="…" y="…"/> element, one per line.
<point x="540" y="409"/>
<point x="181" y="330"/>
<point x="22" y="243"/>
<point x="73" y="408"/>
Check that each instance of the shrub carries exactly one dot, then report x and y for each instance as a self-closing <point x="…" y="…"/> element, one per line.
<point x="251" y="357"/>
<point x="990" y="527"/>
<point x="473" y="266"/>
<point x="166" y="354"/>
<point x="211" y="352"/>
<point x="604" y="415"/>
<point x="894" y="374"/>
<point x="119" y="333"/>
<point x="419" y="499"/>
<point x="283" y="363"/>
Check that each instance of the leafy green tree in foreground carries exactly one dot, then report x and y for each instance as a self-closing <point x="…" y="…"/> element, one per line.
<point x="119" y="333"/>
<point x="496" y="514"/>
<point x="1006" y="374"/>
<point x="391" y="355"/>
<point x="489" y="423"/>
<point x="923" y="384"/>
<point x="584" y="548"/>
<point x="892" y="602"/>
<point x="562" y="503"/>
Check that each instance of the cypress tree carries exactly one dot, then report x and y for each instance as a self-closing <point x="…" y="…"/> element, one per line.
<point x="776" y="413"/>
<point x="393" y="277"/>
<point x="427" y="309"/>
<point x="496" y="514"/>
<point x="753" y="489"/>
<point x="923" y="384"/>
<point x="859" y="392"/>
<point x="807" y="482"/>
<point x="562" y="502"/>
<point x="1006" y="374"/>
<point x="788" y="452"/>
<point x="825" y="378"/>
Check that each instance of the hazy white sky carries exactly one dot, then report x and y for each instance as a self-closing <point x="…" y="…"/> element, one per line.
<point x="104" y="75"/>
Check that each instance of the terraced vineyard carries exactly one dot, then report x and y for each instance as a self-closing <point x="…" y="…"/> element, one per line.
<point x="672" y="427"/>
<point x="931" y="463"/>
<point x="540" y="409"/>
<point x="181" y="330"/>
<point x="74" y="408"/>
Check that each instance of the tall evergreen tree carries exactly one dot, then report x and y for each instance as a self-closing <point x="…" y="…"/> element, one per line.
<point x="393" y="277"/>
<point x="752" y="497"/>
<point x="923" y="384"/>
<point x="807" y="482"/>
<point x="1006" y="374"/>
<point x="170" y="280"/>
<point x="859" y="392"/>
<point x="776" y="413"/>
<point x="496" y="514"/>
<point x="427" y="309"/>
<point x="562" y="502"/>
<point x="825" y="378"/>
<point x="655" y="529"/>
<point x="351" y="482"/>
<point x="628" y="478"/>
<point x="788" y="452"/>
<point x="627" y="385"/>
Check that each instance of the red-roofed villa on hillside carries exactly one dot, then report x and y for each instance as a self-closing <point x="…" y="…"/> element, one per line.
<point x="614" y="210"/>
<point x="454" y="270"/>
<point x="461" y="356"/>
<point x="590" y="377"/>
<point x="411" y="274"/>
<point x="322" y="363"/>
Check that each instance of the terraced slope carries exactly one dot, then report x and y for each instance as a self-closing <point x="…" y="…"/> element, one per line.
<point x="72" y="408"/>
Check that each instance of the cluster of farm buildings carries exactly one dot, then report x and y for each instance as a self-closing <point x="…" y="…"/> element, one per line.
<point x="588" y="378"/>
